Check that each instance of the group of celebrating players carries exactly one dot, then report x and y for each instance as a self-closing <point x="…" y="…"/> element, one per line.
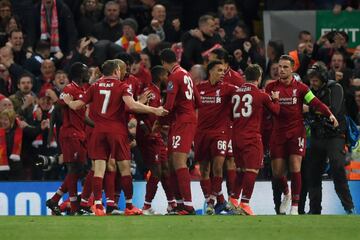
<point x="222" y="116"/>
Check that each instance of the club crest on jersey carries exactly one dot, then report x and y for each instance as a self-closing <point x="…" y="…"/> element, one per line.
<point x="217" y="96"/>
<point x="294" y="99"/>
<point x="218" y="93"/>
<point x="170" y="86"/>
<point x="202" y="92"/>
<point x="294" y="92"/>
<point x="129" y="90"/>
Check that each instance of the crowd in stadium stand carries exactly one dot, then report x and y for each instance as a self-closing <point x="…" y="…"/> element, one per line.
<point x="41" y="40"/>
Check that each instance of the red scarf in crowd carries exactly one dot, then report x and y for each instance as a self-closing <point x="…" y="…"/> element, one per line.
<point x="53" y="35"/>
<point x="16" y="150"/>
<point x="39" y="139"/>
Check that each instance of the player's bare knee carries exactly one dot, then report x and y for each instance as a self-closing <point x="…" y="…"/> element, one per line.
<point x="111" y="165"/>
<point x="124" y="167"/>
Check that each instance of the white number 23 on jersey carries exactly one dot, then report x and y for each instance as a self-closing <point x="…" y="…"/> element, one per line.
<point x="246" y="111"/>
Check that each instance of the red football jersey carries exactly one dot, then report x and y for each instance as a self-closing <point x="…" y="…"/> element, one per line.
<point x="73" y="121"/>
<point x="107" y="105"/>
<point x="248" y="104"/>
<point x="155" y="101"/>
<point x="182" y="96"/>
<point x="214" y="113"/>
<point x="233" y="77"/>
<point x="134" y="84"/>
<point x="291" y="101"/>
<point x="144" y="76"/>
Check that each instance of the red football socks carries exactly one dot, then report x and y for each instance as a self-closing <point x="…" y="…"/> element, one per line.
<point x="175" y="186"/>
<point x="127" y="186"/>
<point x="61" y="190"/>
<point x="109" y="188"/>
<point x="87" y="188"/>
<point x="151" y="188"/>
<point x="295" y="187"/>
<point x="248" y="186"/>
<point x="206" y="188"/>
<point x="97" y="189"/>
<point x="72" y="185"/>
<point x="166" y="184"/>
<point x="183" y="177"/>
<point x="230" y="180"/>
<point x="216" y="188"/>
<point x="238" y="185"/>
<point x="282" y="184"/>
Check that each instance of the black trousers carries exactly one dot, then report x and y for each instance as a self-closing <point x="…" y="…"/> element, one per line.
<point x="320" y="150"/>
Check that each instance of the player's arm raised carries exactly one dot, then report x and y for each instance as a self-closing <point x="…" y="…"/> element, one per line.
<point x="141" y="108"/>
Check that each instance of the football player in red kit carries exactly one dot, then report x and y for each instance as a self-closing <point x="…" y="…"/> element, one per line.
<point x="152" y="146"/>
<point x="288" y="136"/>
<point x="248" y="105"/>
<point x="212" y="135"/>
<point x="72" y="138"/>
<point x="109" y="97"/>
<point x="235" y="79"/>
<point x="181" y="100"/>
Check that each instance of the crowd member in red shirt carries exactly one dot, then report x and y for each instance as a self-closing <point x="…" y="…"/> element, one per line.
<point x="212" y="135"/>
<point x="288" y="136"/>
<point x="72" y="138"/>
<point x="235" y="79"/>
<point x="181" y="101"/>
<point x="152" y="146"/>
<point x="248" y="106"/>
<point x="109" y="97"/>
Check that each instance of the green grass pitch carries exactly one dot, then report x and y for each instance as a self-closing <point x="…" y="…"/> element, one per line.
<point x="181" y="227"/>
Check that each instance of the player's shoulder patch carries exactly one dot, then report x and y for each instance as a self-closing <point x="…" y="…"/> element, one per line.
<point x="170" y="86"/>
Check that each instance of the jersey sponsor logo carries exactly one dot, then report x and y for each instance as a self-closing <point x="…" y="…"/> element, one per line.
<point x="170" y="86"/>
<point x="288" y="101"/>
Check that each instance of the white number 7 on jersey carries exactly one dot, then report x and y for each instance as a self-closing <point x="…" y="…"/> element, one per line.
<point x="107" y="94"/>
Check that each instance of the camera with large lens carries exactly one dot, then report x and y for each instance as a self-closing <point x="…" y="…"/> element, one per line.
<point x="46" y="163"/>
<point x="321" y="126"/>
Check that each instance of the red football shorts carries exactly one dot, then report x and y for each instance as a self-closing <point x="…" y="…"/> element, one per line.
<point x="209" y="145"/>
<point x="153" y="150"/>
<point x="103" y="145"/>
<point x="181" y="136"/>
<point x="248" y="153"/>
<point x="73" y="149"/>
<point x="293" y="142"/>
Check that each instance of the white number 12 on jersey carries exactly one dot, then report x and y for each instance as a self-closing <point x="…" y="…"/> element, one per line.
<point x="107" y="94"/>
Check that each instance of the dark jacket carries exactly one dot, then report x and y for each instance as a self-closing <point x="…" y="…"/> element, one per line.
<point x="193" y="48"/>
<point x="332" y="95"/>
<point x="170" y="34"/>
<point x="16" y="167"/>
<point x="103" y="31"/>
